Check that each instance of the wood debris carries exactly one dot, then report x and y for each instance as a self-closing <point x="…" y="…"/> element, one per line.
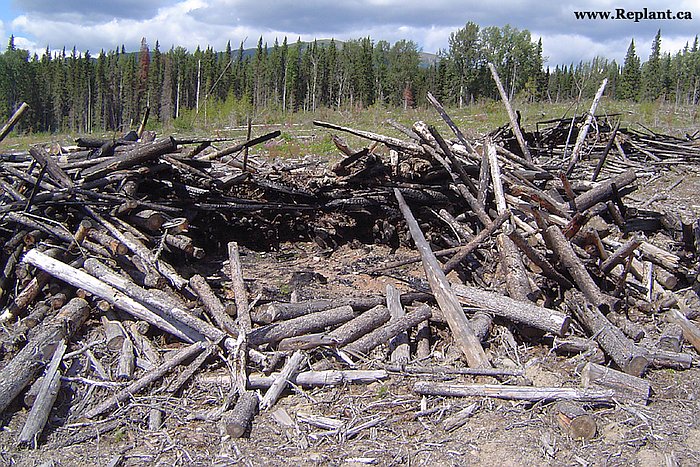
<point x="133" y="246"/>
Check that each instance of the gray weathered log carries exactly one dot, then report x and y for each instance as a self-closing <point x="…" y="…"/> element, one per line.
<point x="627" y="388"/>
<point x="381" y="335"/>
<point x="463" y="335"/>
<point x="583" y="132"/>
<point x="517" y="311"/>
<point x="236" y="422"/>
<point x="178" y="358"/>
<point x="511" y="114"/>
<point x="290" y="369"/>
<point x="24" y="367"/>
<point x="41" y="408"/>
<point x="275" y="332"/>
<point x="527" y="393"/>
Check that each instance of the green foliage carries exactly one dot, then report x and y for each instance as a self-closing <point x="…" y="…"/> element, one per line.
<point x="630" y="80"/>
<point x="187" y="90"/>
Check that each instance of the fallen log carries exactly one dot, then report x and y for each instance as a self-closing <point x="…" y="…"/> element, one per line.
<point x="24" y="367"/>
<point x="526" y="393"/>
<point x="178" y="358"/>
<point x="463" y="335"/>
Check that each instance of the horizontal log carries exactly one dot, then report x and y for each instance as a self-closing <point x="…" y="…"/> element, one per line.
<point x="525" y="393"/>
<point x="517" y="311"/>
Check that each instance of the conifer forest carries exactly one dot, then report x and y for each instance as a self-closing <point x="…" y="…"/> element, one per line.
<point x="79" y="91"/>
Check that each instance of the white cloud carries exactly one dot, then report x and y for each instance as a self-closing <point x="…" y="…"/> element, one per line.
<point x="192" y="23"/>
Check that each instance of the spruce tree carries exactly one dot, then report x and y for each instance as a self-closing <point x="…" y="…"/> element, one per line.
<point x="631" y="77"/>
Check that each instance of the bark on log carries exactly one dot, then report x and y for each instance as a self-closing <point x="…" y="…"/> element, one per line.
<point x="604" y="190"/>
<point x="401" y="352"/>
<point x="691" y="332"/>
<point x="45" y="160"/>
<point x="444" y="295"/>
<point x="627" y="388"/>
<point x="23" y="368"/>
<point x="277" y="311"/>
<point x="237" y="421"/>
<point x="575" y="421"/>
<point x="631" y="358"/>
<point x="273" y="333"/>
<point x="539" y="260"/>
<point x="135" y="156"/>
<point x="343" y="334"/>
<point x="213" y="305"/>
<point x="381" y="335"/>
<point x="526" y="393"/>
<point x="41" y="408"/>
<point x="515" y="310"/>
<point x="566" y="255"/>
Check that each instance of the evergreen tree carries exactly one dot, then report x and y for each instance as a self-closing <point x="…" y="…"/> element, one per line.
<point x="631" y="77"/>
<point x="652" y="79"/>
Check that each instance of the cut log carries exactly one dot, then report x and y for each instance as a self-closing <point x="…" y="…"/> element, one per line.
<point x="525" y="393"/>
<point x="343" y="334"/>
<point x="575" y="153"/>
<point x="631" y="358"/>
<point x="237" y="421"/>
<point x="444" y="295"/>
<point x="575" y="421"/>
<point x="24" y="367"/>
<point x="273" y="333"/>
<point x="691" y="332"/>
<point x="154" y="375"/>
<point x="41" y="408"/>
<point x="381" y="335"/>
<point x="627" y="388"/>
<point x="290" y="369"/>
<point x="401" y="352"/>
<point x="515" y="310"/>
<point x="514" y="124"/>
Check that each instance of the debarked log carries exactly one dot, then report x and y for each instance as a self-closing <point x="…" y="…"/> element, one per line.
<point x="526" y="393"/>
<point x="80" y="279"/>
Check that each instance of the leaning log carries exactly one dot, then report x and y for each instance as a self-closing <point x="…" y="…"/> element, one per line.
<point x="24" y="367"/>
<point x="444" y="295"/>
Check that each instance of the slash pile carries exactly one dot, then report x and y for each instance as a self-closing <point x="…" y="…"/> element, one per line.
<point x="129" y="249"/>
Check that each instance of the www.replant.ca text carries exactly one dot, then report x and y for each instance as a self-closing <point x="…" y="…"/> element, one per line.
<point x="644" y="14"/>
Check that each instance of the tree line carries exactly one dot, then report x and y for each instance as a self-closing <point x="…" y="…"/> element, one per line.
<point x="75" y="91"/>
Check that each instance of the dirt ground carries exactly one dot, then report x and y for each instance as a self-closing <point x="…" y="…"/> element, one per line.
<point x="665" y="432"/>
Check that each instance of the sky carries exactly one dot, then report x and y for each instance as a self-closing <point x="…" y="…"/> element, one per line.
<point x="94" y="25"/>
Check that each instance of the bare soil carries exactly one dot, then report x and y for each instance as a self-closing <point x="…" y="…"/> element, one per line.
<point x="665" y="432"/>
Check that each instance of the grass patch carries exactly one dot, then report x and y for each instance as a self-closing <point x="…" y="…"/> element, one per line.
<point x="300" y="137"/>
